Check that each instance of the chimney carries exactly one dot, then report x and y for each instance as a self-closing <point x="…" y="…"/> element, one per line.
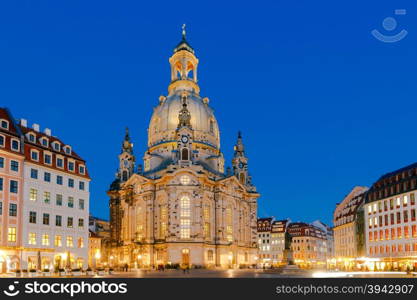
<point x="24" y="122"/>
<point x="47" y="131"/>
<point x="35" y="127"/>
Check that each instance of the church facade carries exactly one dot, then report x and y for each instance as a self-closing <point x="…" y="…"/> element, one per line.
<point x="183" y="207"/>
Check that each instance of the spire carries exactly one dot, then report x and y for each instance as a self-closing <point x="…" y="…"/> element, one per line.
<point x="183" y="32"/>
<point x="127" y="146"/>
<point x="239" y="147"/>
<point x="183" y="44"/>
<point x="184" y="116"/>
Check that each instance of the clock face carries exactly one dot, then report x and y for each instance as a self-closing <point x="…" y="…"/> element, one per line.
<point x="125" y="163"/>
<point x="184" y="139"/>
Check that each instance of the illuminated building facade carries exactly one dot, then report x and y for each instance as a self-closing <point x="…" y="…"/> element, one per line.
<point x="391" y="226"/>
<point x="183" y="207"/>
<point x="271" y="241"/>
<point x="47" y="200"/>
<point x="11" y="191"/>
<point x="348" y="233"/>
<point x="309" y="245"/>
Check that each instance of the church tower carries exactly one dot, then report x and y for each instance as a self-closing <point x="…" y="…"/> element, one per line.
<point x="126" y="159"/>
<point x="240" y="161"/>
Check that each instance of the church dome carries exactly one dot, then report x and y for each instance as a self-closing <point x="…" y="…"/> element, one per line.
<point x="164" y="121"/>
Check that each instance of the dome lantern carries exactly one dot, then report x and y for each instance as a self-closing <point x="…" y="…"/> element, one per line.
<point x="183" y="67"/>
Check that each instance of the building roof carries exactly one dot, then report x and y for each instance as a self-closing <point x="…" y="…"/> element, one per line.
<point x="393" y="183"/>
<point x="346" y="211"/>
<point x="301" y="229"/>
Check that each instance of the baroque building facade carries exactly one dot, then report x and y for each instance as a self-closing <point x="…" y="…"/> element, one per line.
<point x="183" y="207"/>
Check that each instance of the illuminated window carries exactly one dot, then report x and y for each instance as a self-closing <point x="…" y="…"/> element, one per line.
<point x="70" y="242"/>
<point x="206" y="217"/>
<point x="185" y="206"/>
<point x="33" y="194"/>
<point x="229" y="224"/>
<point x="80" y="242"/>
<point x="32" y="238"/>
<point x="47" y="197"/>
<point x="45" y="239"/>
<point x="164" y="219"/>
<point x="405" y="200"/>
<point x="185" y="228"/>
<point x="58" y="241"/>
<point x="185" y="214"/>
<point x="11" y="234"/>
<point x="185" y="180"/>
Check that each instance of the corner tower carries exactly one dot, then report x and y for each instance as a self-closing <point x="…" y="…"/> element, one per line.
<point x="126" y="159"/>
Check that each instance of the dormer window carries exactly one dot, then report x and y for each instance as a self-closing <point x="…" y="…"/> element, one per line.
<point x="31" y="137"/>
<point x="71" y="166"/>
<point x="81" y="169"/>
<point x="56" y="146"/>
<point x="4" y="124"/>
<point x="67" y="149"/>
<point x="44" y="142"/>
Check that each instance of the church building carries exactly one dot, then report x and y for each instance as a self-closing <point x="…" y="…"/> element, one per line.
<point x="183" y="207"/>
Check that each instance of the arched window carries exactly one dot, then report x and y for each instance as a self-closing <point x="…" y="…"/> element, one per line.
<point x="164" y="220"/>
<point x="139" y="224"/>
<point x="184" y="154"/>
<point x="185" y="217"/>
<point x="211" y="126"/>
<point x="124" y="176"/>
<point x="206" y="217"/>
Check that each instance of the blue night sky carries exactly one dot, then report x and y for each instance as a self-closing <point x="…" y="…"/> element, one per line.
<point x="323" y="105"/>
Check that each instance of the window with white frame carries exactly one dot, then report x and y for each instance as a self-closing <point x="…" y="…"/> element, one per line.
<point x="31" y="137"/>
<point x="81" y="169"/>
<point x="4" y="124"/>
<point x="67" y="149"/>
<point x="71" y="166"/>
<point x="60" y="162"/>
<point x="47" y="158"/>
<point x="56" y="146"/>
<point x="2" y="140"/>
<point x="34" y="155"/>
<point x="44" y="142"/>
<point x="15" y="145"/>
